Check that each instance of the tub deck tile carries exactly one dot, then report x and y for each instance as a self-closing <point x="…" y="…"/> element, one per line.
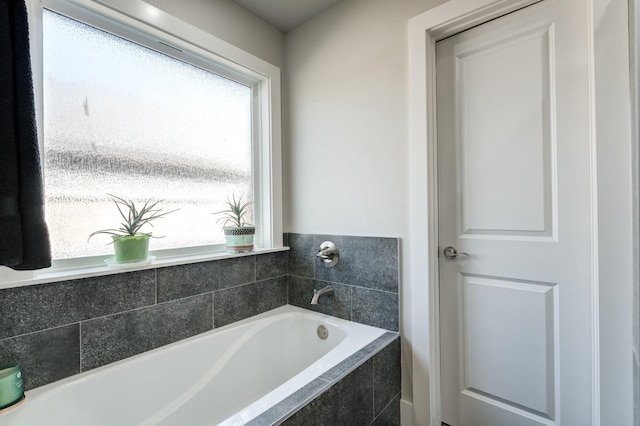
<point x="386" y="375"/>
<point x="281" y="411"/>
<point x="359" y="357"/>
<point x="347" y="402"/>
<point x="346" y="393"/>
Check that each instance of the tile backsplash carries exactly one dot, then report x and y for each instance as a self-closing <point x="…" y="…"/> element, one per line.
<point x="365" y="280"/>
<point x="60" y="329"/>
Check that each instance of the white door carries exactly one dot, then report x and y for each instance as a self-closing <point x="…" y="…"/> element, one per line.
<point x="515" y="193"/>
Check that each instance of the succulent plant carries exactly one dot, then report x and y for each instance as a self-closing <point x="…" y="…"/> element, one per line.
<point x="134" y="218"/>
<point x="235" y="214"/>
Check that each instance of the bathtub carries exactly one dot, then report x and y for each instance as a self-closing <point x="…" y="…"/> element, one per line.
<point x="229" y="376"/>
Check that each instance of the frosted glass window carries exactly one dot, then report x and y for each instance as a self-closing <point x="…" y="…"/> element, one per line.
<point x="123" y="119"/>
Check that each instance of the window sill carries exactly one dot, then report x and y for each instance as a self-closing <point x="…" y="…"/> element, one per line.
<point x="48" y="276"/>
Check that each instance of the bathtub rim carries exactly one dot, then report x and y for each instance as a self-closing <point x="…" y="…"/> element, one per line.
<point x="61" y="385"/>
<point x="285" y="409"/>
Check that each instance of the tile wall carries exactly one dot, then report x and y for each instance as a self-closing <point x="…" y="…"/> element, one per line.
<point x="60" y="329"/>
<point x="365" y="280"/>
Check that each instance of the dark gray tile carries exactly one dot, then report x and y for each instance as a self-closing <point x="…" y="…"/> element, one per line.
<point x="302" y="255"/>
<point x="237" y="303"/>
<point x="301" y="292"/>
<point x="46" y="356"/>
<point x="108" y="339"/>
<point x="285" y="239"/>
<point x="390" y="416"/>
<point x="290" y="404"/>
<point x="348" y="402"/>
<point x="359" y="357"/>
<point x="271" y="265"/>
<point x="187" y="280"/>
<point x="39" y="307"/>
<point x="386" y="375"/>
<point x="370" y="262"/>
<point x="376" y="308"/>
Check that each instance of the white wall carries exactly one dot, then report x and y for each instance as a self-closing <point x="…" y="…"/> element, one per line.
<point x="346" y="148"/>
<point x="230" y="22"/>
<point x="634" y="38"/>
<point x="615" y="210"/>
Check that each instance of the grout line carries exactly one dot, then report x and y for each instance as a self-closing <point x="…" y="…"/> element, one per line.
<point x="222" y="289"/>
<point x="373" y="289"/>
<point x="270" y="279"/>
<point x="139" y="308"/>
<point x="213" y="310"/>
<point x="155" y="281"/>
<point x="39" y="331"/>
<point x="300" y="276"/>
<point x="350" y="285"/>
<point x="288" y="260"/>
<point x="80" y="347"/>
<point x="255" y="268"/>
<point x="351" y="304"/>
<point x="385" y="408"/>
<point x="313" y="257"/>
<point x="373" y="386"/>
<point x="248" y="283"/>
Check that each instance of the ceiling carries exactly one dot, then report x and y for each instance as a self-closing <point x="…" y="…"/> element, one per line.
<point x="285" y="15"/>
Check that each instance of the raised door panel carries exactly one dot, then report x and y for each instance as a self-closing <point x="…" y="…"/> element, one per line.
<point x="505" y="99"/>
<point x="508" y="342"/>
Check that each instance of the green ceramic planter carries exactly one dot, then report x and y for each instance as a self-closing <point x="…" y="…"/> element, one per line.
<point x="131" y="248"/>
<point x="239" y="239"/>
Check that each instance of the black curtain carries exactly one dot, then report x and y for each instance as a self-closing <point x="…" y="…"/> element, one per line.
<point x="24" y="237"/>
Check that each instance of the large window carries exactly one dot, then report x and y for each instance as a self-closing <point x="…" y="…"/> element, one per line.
<point x="137" y="103"/>
<point x="121" y="118"/>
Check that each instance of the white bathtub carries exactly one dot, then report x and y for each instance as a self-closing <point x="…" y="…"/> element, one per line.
<point x="227" y="376"/>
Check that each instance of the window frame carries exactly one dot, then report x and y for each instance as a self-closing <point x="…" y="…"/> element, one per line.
<point x="144" y="24"/>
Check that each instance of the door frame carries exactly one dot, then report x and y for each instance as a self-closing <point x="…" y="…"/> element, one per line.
<point x="613" y="250"/>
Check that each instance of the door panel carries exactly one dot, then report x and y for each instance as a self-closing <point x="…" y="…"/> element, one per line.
<point x="508" y="78"/>
<point x="496" y="311"/>
<point x="514" y="173"/>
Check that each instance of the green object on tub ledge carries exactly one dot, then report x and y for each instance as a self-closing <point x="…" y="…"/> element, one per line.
<point x="11" y="384"/>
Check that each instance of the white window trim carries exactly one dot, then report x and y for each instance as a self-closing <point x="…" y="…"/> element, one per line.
<point x="164" y="27"/>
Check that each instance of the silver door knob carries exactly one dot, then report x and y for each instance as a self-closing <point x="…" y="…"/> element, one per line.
<point x="451" y="253"/>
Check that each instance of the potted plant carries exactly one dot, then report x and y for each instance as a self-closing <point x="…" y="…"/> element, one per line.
<point x="130" y="244"/>
<point x="238" y="233"/>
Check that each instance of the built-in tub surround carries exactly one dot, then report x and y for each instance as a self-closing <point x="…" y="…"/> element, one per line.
<point x="258" y="371"/>
<point x="57" y="330"/>
<point x="60" y="329"/>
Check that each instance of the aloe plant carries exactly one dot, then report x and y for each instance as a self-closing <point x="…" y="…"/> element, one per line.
<point x="235" y="214"/>
<point x="134" y="218"/>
